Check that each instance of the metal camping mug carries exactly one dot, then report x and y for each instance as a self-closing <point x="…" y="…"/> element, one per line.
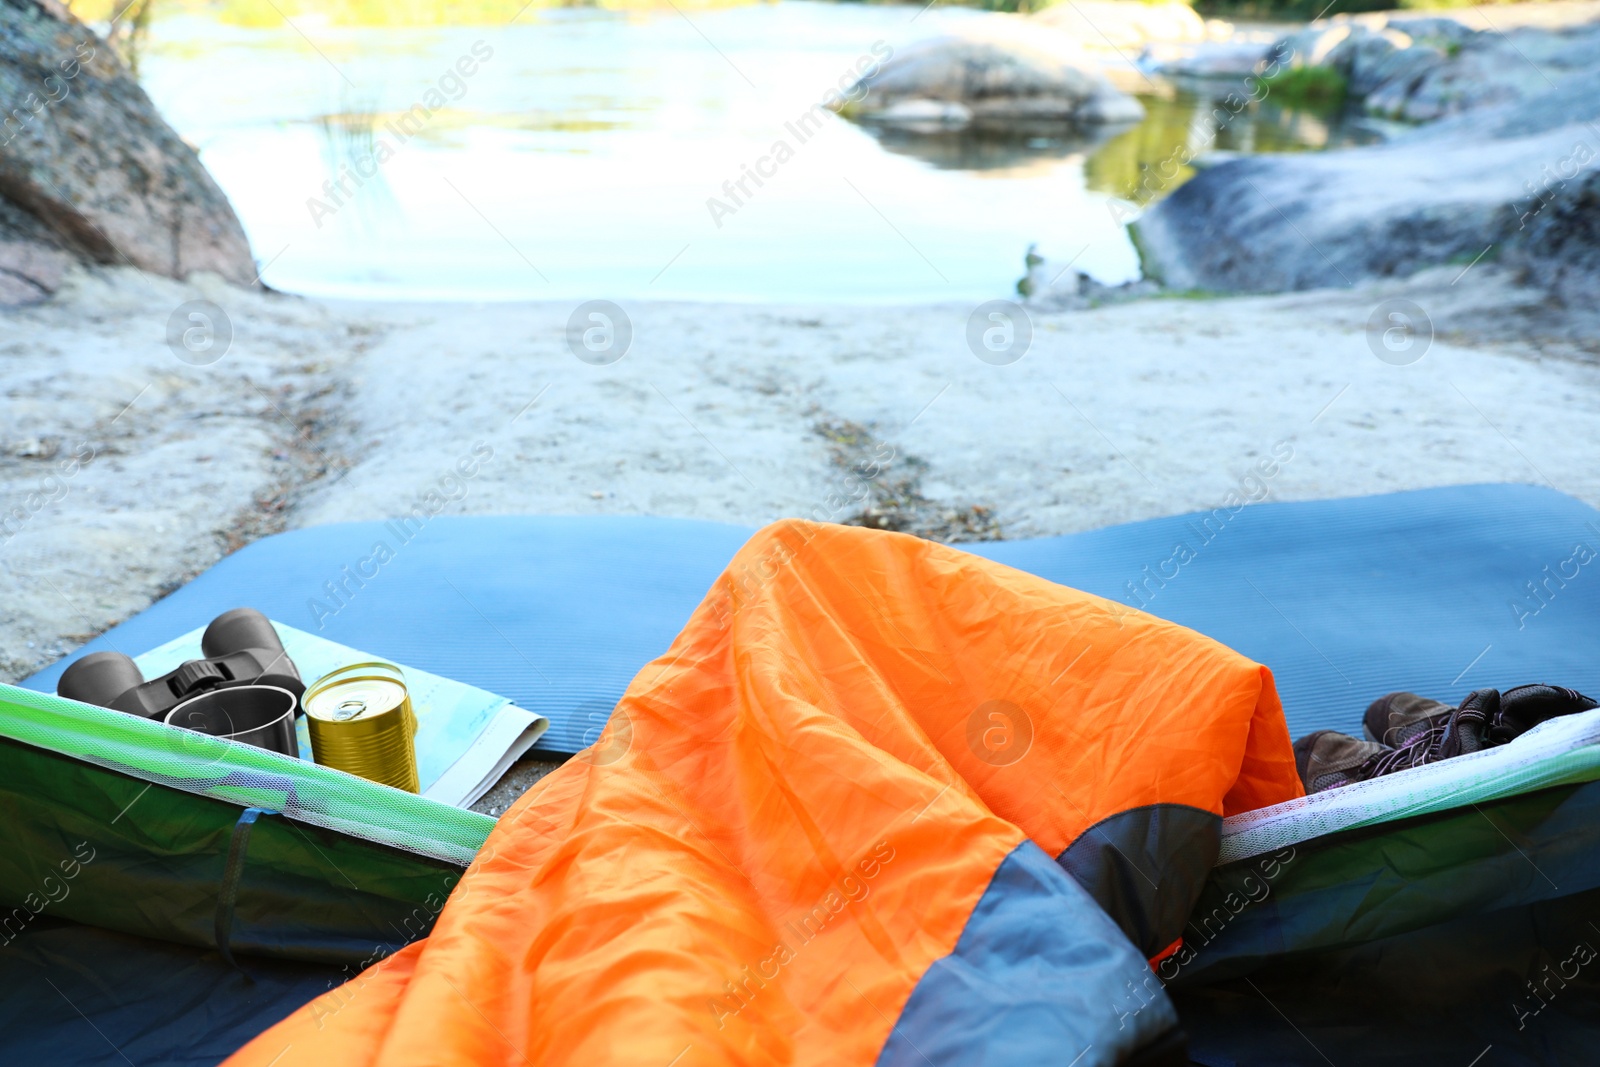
<point x="259" y="715"/>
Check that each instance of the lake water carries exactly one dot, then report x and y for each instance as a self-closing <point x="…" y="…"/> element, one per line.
<point x="572" y="153"/>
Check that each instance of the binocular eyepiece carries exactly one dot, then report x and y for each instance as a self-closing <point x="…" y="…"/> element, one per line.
<point x="240" y="648"/>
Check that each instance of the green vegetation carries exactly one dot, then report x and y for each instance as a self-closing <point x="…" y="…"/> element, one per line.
<point x="1314" y="88"/>
<point x="1148" y="267"/>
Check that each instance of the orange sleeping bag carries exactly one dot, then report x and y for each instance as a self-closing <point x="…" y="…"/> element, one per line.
<point x="881" y="802"/>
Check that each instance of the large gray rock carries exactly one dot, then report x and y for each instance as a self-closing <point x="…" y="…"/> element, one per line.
<point x="1206" y="59"/>
<point x="1256" y="225"/>
<point x="1421" y="68"/>
<point x="1315" y="45"/>
<point x="1560" y="246"/>
<point x="1498" y="68"/>
<point x="1274" y="223"/>
<point x="89" y="172"/>
<point x="991" y="80"/>
<point x="1370" y="59"/>
<point x="1388" y="83"/>
<point x="1440" y="31"/>
<point x="1378" y="61"/>
<point x="1470" y="186"/>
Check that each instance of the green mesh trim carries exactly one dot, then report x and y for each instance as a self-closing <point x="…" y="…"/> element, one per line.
<point x="242" y="774"/>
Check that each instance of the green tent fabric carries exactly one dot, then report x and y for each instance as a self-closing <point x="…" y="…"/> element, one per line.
<point x="142" y="921"/>
<point x="1467" y="936"/>
<point x="81" y="842"/>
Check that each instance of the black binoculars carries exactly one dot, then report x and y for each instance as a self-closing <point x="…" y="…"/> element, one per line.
<point x="240" y="647"/>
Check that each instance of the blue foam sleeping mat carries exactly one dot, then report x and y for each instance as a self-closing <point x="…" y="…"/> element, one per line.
<point x="1439" y="591"/>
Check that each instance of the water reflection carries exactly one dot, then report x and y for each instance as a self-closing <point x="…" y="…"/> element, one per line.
<point x="349" y="148"/>
<point x="1151" y="159"/>
<point x="1182" y="123"/>
<point x="581" y="156"/>
<point x="986" y="148"/>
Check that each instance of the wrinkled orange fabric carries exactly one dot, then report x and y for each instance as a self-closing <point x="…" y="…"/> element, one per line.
<point x="794" y="811"/>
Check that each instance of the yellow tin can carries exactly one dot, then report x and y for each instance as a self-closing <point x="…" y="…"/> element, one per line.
<point x="361" y="722"/>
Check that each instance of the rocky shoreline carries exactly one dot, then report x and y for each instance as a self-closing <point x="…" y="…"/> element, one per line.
<point x="130" y="461"/>
<point x="1498" y="165"/>
<point x="1492" y="155"/>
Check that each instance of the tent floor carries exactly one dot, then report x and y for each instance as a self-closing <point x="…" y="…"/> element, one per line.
<point x="1512" y="984"/>
<point x="77" y="996"/>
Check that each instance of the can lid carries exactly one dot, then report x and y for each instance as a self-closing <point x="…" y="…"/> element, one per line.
<point x="359" y="691"/>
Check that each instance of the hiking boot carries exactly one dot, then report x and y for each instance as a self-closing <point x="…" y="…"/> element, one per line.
<point x="1395" y="718"/>
<point x="1458" y="732"/>
<point x="1399" y="718"/>
<point x="1526" y="706"/>
<point x="1328" y="759"/>
<point x="1420" y="731"/>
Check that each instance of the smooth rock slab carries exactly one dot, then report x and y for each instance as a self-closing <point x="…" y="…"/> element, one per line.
<point x="1206" y="59"/>
<point x="1274" y="223"/>
<point x="1505" y="170"/>
<point x="992" y="80"/>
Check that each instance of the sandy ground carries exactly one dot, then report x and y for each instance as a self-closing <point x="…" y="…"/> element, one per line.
<point x="1117" y="414"/>
<point x="124" y="471"/>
